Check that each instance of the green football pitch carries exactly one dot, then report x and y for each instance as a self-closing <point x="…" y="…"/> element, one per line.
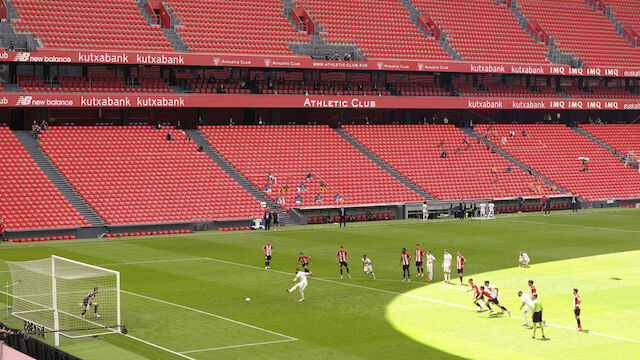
<point x="183" y="296"/>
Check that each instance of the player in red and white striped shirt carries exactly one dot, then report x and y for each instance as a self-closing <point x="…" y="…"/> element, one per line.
<point x="460" y="261"/>
<point x="419" y="260"/>
<point x="477" y="295"/>
<point x="304" y="261"/>
<point x="576" y="308"/>
<point x="405" y="261"/>
<point x="267" y="248"/>
<point x="343" y="258"/>
<point x="532" y="288"/>
<point x="492" y="298"/>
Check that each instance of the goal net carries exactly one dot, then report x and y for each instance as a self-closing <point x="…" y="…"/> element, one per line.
<point x="51" y="293"/>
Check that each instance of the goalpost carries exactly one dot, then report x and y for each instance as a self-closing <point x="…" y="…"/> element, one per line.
<point x="49" y="293"/>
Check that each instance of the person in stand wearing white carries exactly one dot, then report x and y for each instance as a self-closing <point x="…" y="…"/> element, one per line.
<point x="527" y="303"/>
<point x="483" y="210"/>
<point x="430" y="259"/>
<point x="425" y="212"/>
<point x="460" y="261"/>
<point x="491" y="211"/>
<point x="446" y="266"/>
<point x="523" y="259"/>
<point x="301" y="277"/>
<point x="368" y="268"/>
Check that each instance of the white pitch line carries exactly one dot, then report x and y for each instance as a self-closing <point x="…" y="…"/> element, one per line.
<point x="159" y="347"/>
<point x="415" y="297"/>
<point x="573" y="226"/>
<point x="141" y="262"/>
<point x="291" y="338"/>
<point x="237" y="346"/>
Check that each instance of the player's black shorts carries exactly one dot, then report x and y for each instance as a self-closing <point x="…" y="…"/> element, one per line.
<point x="344" y="263"/>
<point x="537" y="317"/>
<point x="268" y="257"/>
<point x="84" y="303"/>
<point x="576" y="311"/>
<point x="460" y="271"/>
<point x="304" y="265"/>
<point x="276" y="222"/>
<point x="405" y="267"/>
<point x="478" y="297"/>
<point x="306" y="270"/>
<point x="418" y="263"/>
<point x="495" y="301"/>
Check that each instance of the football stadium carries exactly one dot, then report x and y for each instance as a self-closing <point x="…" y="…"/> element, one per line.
<point x="345" y="179"/>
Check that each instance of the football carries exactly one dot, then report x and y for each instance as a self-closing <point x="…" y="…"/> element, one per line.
<point x="247" y="299"/>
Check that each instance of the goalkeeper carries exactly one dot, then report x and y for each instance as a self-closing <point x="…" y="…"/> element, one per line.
<point x="88" y="302"/>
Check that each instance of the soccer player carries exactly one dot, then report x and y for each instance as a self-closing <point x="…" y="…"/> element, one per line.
<point x="430" y="260"/>
<point x="460" y="261"/>
<point x="446" y="266"/>
<point x="576" y="308"/>
<point x="425" y="212"/>
<point x="483" y="210"/>
<point x="492" y="213"/>
<point x="304" y="261"/>
<point x="419" y="259"/>
<point x="523" y="259"/>
<point x="527" y="303"/>
<point x="405" y="260"/>
<point x="493" y="299"/>
<point x="532" y="288"/>
<point x="267" y="248"/>
<point x="477" y="295"/>
<point x="301" y="276"/>
<point x="88" y="302"/>
<point x="368" y="269"/>
<point x="343" y="258"/>
<point x="537" y="316"/>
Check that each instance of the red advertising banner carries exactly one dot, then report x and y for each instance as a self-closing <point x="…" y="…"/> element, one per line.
<point x="298" y="62"/>
<point x="305" y="102"/>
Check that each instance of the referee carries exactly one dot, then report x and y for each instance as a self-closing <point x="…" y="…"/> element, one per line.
<point x="537" y="316"/>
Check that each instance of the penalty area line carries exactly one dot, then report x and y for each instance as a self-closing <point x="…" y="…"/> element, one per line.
<point x="290" y="338"/>
<point x="238" y="346"/>
<point x="413" y="296"/>
<point x="159" y="347"/>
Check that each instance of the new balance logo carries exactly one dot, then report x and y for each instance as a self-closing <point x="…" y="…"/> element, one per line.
<point x="22" y="56"/>
<point x="267" y="62"/>
<point x="24" y="100"/>
<point x="380" y="65"/>
<point x="420" y="66"/>
<point x="216" y="61"/>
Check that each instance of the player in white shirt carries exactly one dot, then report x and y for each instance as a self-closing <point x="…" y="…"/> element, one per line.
<point x="483" y="210"/>
<point x="527" y="303"/>
<point x="523" y="259"/>
<point x="491" y="211"/>
<point x="430" y="259"/>
<point x="301" y="277"/>
<point x="446" y="267"/>
<point x="425" y="212"/>
<point x="368" y="269"/>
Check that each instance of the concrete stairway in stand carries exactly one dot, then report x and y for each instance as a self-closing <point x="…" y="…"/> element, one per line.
<point x="391" y="171"/>
<point x="60" y="182"/>
<point x="596" y="140"/>
<point x="513" y="160"/>
<point x="200" y="139"/>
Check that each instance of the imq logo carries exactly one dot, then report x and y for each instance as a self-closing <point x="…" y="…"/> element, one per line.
<point x="24" y="100"/>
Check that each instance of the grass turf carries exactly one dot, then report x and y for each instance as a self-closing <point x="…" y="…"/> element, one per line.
<point x="182" y="291"/>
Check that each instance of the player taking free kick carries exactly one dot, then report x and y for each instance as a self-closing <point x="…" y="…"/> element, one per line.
<point x="301" y="277"/>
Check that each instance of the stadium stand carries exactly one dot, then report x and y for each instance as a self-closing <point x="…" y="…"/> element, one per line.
<point x="291" y="153"/>
<point x="625" y="11"/>
<point x="482" y="30"/>
<point x="242" y="27"/>
<point x="29" y="199"/>
<point x="89" y="24"/>
<point x="466" y="173"/>
<point x="490" y="85"/>
<point x="380" y="28"/>
<point x="580" y="30"/>
<point x="135" y="175"/>
<point x="554" y="151"/>
<point x="622" y="137"/>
